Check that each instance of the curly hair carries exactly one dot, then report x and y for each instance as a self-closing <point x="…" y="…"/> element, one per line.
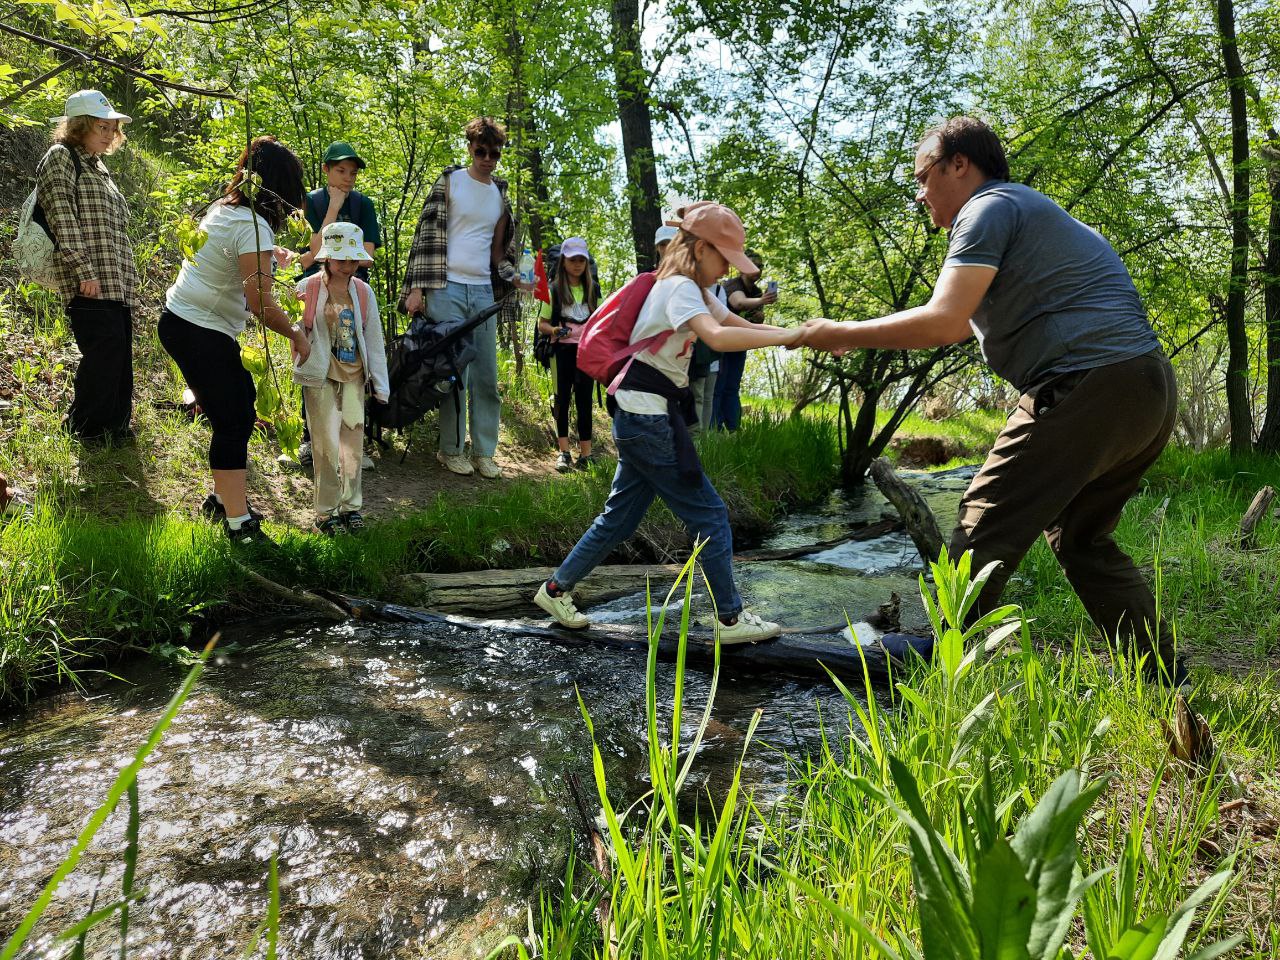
<point x="73" y="131"/>
<point x="488" y="131"/>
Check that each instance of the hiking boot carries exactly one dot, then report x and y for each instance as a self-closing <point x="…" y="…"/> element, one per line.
<point x="353" y="521"/>
<point x="561" y="609"/>
<point x="330" y="526"/>
<point x="250" y="534"/>
<point x="564" y="462"/>
<point x="456" y="463"/>
<point x="212" y="509"/>
<point x="1179" y="681"/>
<point x="584" y="463"/>
<point x="748" y="629"/>
<point x="487" y="468"/>
<point x="304" y="455"/>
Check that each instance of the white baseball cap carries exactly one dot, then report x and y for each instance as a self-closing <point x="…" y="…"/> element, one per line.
<point x="91" y="103"/>
<point x="574" y="247"/>
<point x="665" y="233"/>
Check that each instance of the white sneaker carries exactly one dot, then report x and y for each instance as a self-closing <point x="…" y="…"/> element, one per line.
<point x="456" y="463"/>
<point x="561" y="609"/>
<point x="487" y="468"/>
<point x="748" y="629"/>
<point x="366" y="463"/>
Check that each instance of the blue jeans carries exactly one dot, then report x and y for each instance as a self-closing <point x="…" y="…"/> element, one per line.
<point x="647" y="468"/>
<point x="726" y="412"/>
<point x="480" y="380"/>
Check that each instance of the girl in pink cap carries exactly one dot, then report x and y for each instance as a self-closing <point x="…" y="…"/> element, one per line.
<point x="652" y="410"/>
<point x="573" y="299"/>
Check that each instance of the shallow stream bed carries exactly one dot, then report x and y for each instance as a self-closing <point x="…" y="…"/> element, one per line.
<point x="412" y="779"/>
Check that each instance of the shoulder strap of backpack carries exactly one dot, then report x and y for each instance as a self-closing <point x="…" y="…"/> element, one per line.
<point x="363" y="293"/>
<point x="310" y="299"/>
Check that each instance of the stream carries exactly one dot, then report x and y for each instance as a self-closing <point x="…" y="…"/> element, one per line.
<point x="411" y="778"/>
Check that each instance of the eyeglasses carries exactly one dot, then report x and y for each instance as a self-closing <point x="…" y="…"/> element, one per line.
<point x="923" y="175"/>
<point x="486" y="153"/>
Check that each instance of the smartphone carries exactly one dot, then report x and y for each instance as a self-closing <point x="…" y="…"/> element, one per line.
<point x="772" y="286"/>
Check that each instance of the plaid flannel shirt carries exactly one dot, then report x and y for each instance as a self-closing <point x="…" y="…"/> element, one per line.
<point x="429" y="256"/>
<point x="89" y="225"/>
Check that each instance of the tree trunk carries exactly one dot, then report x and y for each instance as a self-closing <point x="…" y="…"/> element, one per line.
<point x="1237" y="337"/>
<point x="637" y="130"/>
<point x="857" y="455"/>
<point x="1269" y="438"/>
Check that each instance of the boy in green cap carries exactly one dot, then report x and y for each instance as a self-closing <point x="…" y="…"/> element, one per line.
<point x="339" y="202"/>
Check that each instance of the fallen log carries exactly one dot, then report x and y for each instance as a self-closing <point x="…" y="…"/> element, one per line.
<point x="920" y="522"/>
<point x="810" y="653"/>
<point x="510" y="591"/>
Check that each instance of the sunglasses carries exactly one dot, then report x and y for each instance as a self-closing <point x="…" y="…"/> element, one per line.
<point x="487" y="153"/>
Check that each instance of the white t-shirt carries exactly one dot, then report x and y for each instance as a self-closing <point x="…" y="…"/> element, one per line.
<point x="672" y="303"/>
<point x="210" y="291"/>
<point x="474" y="209"/>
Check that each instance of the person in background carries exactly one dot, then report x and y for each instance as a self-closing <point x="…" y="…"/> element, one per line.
<point x="464" y="257"/>
<point x="338" y="201"/>
<point x="656" y="457"/>
<point x="208" y="307"/>
<point x="704" y="372"/>
<point x="89" y="218"/>
<point x="347" y="359"/>
<point x="748" y="301"/>
<point x="661" y="239"/>
<point x="1057" y="314"/>
<point x="573" y="299"/>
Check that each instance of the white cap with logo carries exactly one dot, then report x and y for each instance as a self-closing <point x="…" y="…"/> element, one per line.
<point x="91" y="103"/>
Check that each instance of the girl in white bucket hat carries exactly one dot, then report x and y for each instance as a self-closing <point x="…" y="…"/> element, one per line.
<point x="348" y="358"/>
<point x="88" y="220"/>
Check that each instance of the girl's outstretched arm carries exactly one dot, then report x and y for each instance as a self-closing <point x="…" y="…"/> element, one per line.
<point x="730" y="337"/>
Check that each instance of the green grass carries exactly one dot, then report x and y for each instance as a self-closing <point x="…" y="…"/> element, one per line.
<point x="892" y="837"/>
<point x="78" y="588"/>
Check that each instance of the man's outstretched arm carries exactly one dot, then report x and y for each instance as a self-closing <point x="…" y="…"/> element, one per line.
<point x="943" y="320"/>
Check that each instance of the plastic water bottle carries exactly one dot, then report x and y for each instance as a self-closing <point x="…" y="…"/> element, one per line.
<point x="526" y="266"/>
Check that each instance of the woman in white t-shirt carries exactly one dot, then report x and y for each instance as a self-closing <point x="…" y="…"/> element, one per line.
<point x="573" y="300"/>
<point x="208" y="306"/>
<point x="656" y="457"/>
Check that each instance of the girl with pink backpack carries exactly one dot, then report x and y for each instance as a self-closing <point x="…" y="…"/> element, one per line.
<point x="348" y="358"/>
<point x="652" y="409"/>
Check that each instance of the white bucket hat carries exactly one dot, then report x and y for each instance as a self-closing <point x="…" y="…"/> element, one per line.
<point x="91" y="103"/>
<point x="343" y="241"/>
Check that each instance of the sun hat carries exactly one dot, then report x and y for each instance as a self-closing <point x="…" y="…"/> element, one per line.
<point x="574" y="247"/>
<point x="91" y="103"/>
<point x="341" y="150"/>
<point x="720" y="227"/>
<point x="343" y="241"/>
<point x="665" y="234"/>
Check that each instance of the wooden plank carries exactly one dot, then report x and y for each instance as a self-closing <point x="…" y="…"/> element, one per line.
<point x="511" y="591"/>
<point x="803" y="652"/>
<point x="1253" y="516"/>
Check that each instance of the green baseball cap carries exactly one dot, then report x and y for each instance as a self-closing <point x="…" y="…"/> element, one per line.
<point x="343" y="151"/>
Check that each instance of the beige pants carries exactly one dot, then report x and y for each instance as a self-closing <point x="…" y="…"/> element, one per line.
<point x="335" y="413"/>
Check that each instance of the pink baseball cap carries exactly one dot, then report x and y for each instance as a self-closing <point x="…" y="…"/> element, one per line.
<point x="574" y="247"/>
<point x="720" y="227"/>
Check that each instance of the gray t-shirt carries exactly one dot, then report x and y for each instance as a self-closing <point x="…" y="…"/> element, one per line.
<point x="1061" y="299"/>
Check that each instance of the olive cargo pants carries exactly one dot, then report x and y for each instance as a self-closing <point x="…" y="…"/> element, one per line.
<point x="1069" y="457"/>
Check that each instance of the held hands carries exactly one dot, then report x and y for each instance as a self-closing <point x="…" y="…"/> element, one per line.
<point x="823" y="334"/>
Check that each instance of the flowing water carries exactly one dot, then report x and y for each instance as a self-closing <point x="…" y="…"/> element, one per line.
<point x="412" y="778"/>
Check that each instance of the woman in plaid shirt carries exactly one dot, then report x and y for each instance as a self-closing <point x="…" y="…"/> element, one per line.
<point x="97" y="278"/>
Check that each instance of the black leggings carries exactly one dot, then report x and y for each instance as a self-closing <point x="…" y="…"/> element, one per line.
<point x="210" y="361"/>
<point x="103" y="401"/>
<point x="569" y="379"/>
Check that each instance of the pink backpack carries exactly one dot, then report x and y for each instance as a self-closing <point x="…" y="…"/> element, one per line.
<point x="605" y="350"/>
<point x="311" y="299"/>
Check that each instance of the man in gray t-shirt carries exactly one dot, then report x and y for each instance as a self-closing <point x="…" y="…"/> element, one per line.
<point x="1055" y="313"/>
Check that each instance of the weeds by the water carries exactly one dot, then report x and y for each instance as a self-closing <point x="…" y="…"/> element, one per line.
<point x="998" y="803"/>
